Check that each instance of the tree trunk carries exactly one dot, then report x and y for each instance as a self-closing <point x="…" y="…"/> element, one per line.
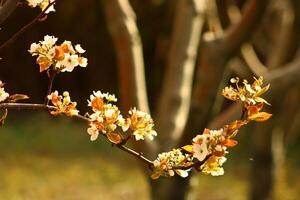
<point x="175" y="188"/>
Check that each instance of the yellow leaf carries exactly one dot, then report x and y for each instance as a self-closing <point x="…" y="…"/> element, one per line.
<point x="263" y="90"/>
<point x="261" y="100"/>
<point x="260" y="116"/>
<point x="188" y="148"/>
<point x="115" y="138"/>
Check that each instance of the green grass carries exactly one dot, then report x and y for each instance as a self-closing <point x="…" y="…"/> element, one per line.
<point x="43" y="158"/>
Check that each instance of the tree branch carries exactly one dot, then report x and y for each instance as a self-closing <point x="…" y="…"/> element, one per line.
<point x="38" y="18"/>
<point x="177" y="85"/>
<point x="214" y="56"/>
<point x="240" y="32"/>
<point x="122" y="26"/>
<point x="30" y="106"/>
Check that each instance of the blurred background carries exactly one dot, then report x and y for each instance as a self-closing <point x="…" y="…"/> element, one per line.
<point x="42" y="157"/>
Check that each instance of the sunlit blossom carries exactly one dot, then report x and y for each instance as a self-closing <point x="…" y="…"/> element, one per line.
<point x="245" y="92"/>
<point x="106" y="117"/>
<point x="43" y="4"/>
<point x="63" y="57"/>
<point x="63" y="104"/>
<point x="141" y="124"/>
<point x="213" y="166"/>
<point x="167" y="162"/>
<point x="3" y="95"/>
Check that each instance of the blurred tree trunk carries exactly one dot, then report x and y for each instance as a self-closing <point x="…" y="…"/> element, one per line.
<point x="269" y="166"/>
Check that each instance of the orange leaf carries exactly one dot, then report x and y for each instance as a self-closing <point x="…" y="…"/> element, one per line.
<point x="59" y="53"/>
<point x="252" y="110"/>
<point x="155" y="176"/>
<point x="44" y="63"/>
<point x="115" y="138"/>
<point x="233" y="126"/>
<point x="260" y="116"/>
<point x="229" y="143"/>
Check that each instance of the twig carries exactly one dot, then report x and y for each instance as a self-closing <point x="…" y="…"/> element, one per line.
<point x="25" y="28"/>
<point x="238" y="33"/>
<point x="31" y="106"/>
<point x="137" y="155"/>
<point x="51" y="76"/>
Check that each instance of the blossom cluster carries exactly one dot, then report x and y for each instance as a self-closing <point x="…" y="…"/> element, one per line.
<point x="3" y="95"/>
<point x="207" y="151"/>
<point x="141" y="124"/>
<point x="63" y="104"/>
<point x="167" y="162"/>
<point x="63" y="58"/>
<point x="248" y="93"/>
<point x="43" y="4"/>
<point x="107" y="118"/>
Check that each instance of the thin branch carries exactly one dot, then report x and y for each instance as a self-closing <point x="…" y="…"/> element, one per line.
<point x="30" y="106"/>
<point x="283" y="48"/>
<point x="284" y="76"/>
<point x="238" y="33"/>
<point x="39" y="17"/>
<point x="177" y="85"/>
<point x="51" y="75"/>
<point x="26" y="106"/>
<point x="247" y="49"/>
<point x="137" y="155"/>
<point x="7" y="9"/>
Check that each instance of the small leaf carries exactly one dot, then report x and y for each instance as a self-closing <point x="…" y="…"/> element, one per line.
<point x="115" y="138"/>
<point x="188" y="148"/>
<point x="17" y="97"/>
<point x="229" y="143"/>
<point x="44" y="63"/>
<point x="155" y="176"/>
<point x="261" y="100"/>
<point x="252" y="110"/>
<point x="260" y="116"/>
